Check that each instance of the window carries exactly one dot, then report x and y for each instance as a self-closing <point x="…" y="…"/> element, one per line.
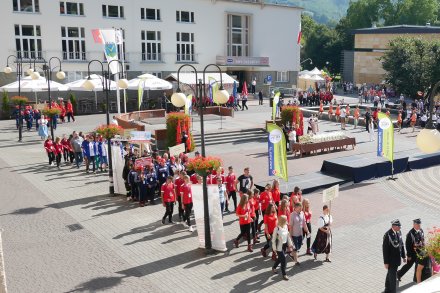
<point x="151" y="47"/>
<point x="157" y="74"/>
<point x="184" y="16"/>
<point x="282" y="76"/>
<point x="28" y="41"/>
<point x="26" y="5"/>
<point x="185" y="47"/>
<point x="113" y="11"/>
<point x="73" y="43"/>
<point x="71" y="8"/>
<point x="150" y="14"/>
<point x="238" y="35"/>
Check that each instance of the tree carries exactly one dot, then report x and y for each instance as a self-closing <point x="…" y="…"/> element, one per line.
<point x="413" y="12"/>
<point x="6" y="107"/>
<point x="412" y="64"/>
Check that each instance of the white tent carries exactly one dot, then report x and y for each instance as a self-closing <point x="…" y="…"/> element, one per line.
<point x="305" y="76"/>
<point x="29" y="85"/>
<point x="316" y="78"/>
<point x="304" y="72"/>
<point x="315" y="71"/>
<point x="149" y="82"/>
<point x="189" y="78"/>
<point x="78" y="85"/>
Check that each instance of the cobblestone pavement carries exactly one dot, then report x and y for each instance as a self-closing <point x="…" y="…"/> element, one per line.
<point x="120" y="247"/>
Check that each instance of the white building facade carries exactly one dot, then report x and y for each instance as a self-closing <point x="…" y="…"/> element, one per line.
<point x="247" y="39"/>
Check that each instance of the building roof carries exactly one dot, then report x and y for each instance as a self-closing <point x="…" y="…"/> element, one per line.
<point x="276" y="3"/>
<point x="399" y="29"/>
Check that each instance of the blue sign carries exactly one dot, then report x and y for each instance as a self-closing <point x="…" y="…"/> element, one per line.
<point x="269" y="78"/>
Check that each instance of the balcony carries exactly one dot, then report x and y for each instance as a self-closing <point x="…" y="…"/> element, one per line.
<point x="242" y="61"/>
<point x="74" y="56"/>
<point x="151" y="57"/>
<point x="186" y="58"/>
<point x="30" y="55"/>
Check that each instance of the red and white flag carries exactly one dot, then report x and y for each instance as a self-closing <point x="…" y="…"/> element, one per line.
<point x="97" y="37"/>
<point x="299" y="35"/>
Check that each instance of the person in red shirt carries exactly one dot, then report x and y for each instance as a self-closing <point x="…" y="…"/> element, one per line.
<point x="307" y="216"/>
<point x="168" y="195"/>
<point x="265" y="200"/>
<point x="257" y="209"/>
<point x="177" y="185"/>
<point x="49" y="147"/>
<point x="270" y="222"/>
<point x="69" y="110"/>
<point x="231" y="188"/>
<point x="63" y="111"/>
<point x="284" y="210"/>
<point x="187" y="201"/>
<point x="253" y="216"/>
<point x="67" y="148"/>
<point x="244" y="218"/>
<point x="195" y="179"/>
<point x="58" y="150"/>
<point x="276" y="195"/>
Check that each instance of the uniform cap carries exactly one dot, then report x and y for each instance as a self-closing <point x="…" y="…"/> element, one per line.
<point x="417" y="221"/>
<point x="396" y="223"/>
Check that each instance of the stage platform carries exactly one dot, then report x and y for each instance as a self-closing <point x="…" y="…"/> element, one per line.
<point x="358" y="168"/>
<point x="308" y="182"/>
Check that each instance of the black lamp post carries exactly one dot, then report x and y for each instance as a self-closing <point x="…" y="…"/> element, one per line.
<point x="106" y="87"/>
<point x="201" y="90"/>
<point x="7" y="70"/>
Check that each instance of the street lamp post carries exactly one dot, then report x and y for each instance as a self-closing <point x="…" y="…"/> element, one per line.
<point x="106" y="87"/>
<point x="308" y="59"/>
<point x="7" y="70"/>
<point x="176" y="99"/>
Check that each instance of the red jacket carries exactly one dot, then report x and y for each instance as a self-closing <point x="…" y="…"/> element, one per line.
<point x="58" y="147"/>
<point x="49" y="146"/>
<point x="66" y="145"/>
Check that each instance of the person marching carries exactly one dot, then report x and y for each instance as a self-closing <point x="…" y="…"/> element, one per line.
<point x="142" y="186"/>
<point x="245" y="181"/>
<point x="343" y="116"/>
<point x="178" y="183"/>
<point x="415" y="239"/>
<point x="399" y="121"/>
<point x="280" y="241"/>
<point x="102" y="152"/>
<point x="66" y="148"/>
<point x="253" y="215"/>
<point x="413" y="120"/>
<point x="347" y="113"/>
<point x="42" y="129"/>
<point x="308" y="217"/>
<point x="270" y="222"/>
<point x="69" y="110"/>
<point x="393" y="251"/>
<point x="152" y="184"/>
<point x="276" y="195"/>
<point x="330" y="112"/>
<point x="222" y="194"/>
<point x="256" y="194"/>
<point x="321" y="109"/>
<point x="297" y="226"/>
<point x="49" y="147"/>
<point x="265" y="200"/>
<point x="244" y="217"/>
<point x="338" y="113"/>
<point x="323" y="239"/>
<point x="187" y="201"/>
<point x="356" y="116"/>
<point x="58" y="150"/>
<point x="168" y="195"/>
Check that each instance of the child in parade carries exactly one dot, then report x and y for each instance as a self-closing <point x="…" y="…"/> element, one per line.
<point x="168" y="195"/>
<point x="66" y="148"/>
<point x="50" y="149"/>
<point x="257" y="208"/>
<point x="187" y="201"/>
<point x="253" y="216"/>
<point x="152" y="183"/>
<point x="295" y="197"/>
<point x="244" y="216"/>
<point x="102" y="152"/>
<point x="323" y="240"/>
<point x="178" y="183"/>
<point x="265" y="200"/>
<point x="399" y="121"/>
<point x="42" y="129"/>
<point x="270" y="222"/>
<point x="356" y="116"/>
<point x="413" y="120"/>
<point x="37" y="116"/>
<point x="90" y="152"/>
<point x="330" y="112"/>
<point x="338" y="113"/>
<point x="276" y="195"/>
<point x="308" y="216"/>
<point x="142" y="186"/>
<point x="69" y="110"/>
<point x="284" y="209"/>
<point x="58" y="150"/>
<point x="321" y="109"/>
<point x="280" y="242"/>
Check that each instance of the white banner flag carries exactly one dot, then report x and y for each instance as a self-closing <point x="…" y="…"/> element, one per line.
<point x="110" y="49"/>
<point x="215" y="216"/>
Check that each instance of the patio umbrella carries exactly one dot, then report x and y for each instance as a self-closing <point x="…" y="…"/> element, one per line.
<point x="29" y="85"/>
<point x="78" y="85"/>
<point x="149" y="83"/>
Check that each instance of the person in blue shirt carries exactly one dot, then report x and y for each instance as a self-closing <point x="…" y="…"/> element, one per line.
<point x="162" y="172"/>
<point x="37" y="116"/>
<point x="90" y="151"/>
<point x="151" y="177"/>
<point x="133" y="179"/>
<point x="142" y="187"/>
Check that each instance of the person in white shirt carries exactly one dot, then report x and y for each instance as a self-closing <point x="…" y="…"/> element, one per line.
<point x="292" y="138"/>
<point x="114" y="121"/>
<point x="343" y="115"/>
<point x="323" y="240"/>
<point x="280" y="242"/>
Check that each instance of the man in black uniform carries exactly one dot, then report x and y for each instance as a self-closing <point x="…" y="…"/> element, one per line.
<point x="393" y="251"/>
<point x="414" y="240"/>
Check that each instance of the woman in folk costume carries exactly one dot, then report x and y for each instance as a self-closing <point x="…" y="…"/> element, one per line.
<point x="42" y="129"/>
<point x="323" y="240"/>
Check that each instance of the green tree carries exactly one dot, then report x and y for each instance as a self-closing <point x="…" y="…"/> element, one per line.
<point x="413" y="12"/>
<point x="412" y="64"/>
<point x="6" y="104"/>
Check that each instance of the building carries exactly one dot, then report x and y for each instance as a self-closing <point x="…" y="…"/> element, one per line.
<point x="371" y="43"/>
<point x="247" y="38"/>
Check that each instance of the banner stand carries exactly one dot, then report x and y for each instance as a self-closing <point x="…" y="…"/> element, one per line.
<point x="392" y="173"/>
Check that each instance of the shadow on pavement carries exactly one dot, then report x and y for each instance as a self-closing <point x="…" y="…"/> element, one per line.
<point x="25" y="211"/>
<point x="98" y="284"/>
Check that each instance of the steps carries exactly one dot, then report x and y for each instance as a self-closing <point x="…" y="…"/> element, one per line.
<point x="234" y="137"/>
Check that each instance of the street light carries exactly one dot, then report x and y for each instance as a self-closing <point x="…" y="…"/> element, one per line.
<point x="8" y="70"/>
<point x="428" y="140"/>
<point x="177" y="99"/>
<point x="308" y="59"/>
<point x="88" y="84"/>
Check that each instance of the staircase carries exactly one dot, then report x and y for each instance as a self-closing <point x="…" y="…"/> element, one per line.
<point x="233" y="137"/>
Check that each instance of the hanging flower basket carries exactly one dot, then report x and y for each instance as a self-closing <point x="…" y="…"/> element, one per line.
<point x="109" y="131"/>
<point x="51" y="112"/>
<point x="432" y="245"/>
<point x="291" y="114"/>
<point x="19" y="100"/>
<point x="177" y="123"/>
<point x="204" y="165"/>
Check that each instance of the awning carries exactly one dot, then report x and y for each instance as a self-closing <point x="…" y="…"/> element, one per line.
<point x="189" y="78"/>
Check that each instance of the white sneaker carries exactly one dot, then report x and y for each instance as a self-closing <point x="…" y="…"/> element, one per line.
<point x="191" y="229"/>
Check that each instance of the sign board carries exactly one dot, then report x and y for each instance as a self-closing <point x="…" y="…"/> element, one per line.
<point x="177" y="149"/>
<point x="140" y="135"/>
<point x="331" y="193"/>
<point x="142" y="162"/>
<point x="242" y="61"/>
<point x="127" y="132"/>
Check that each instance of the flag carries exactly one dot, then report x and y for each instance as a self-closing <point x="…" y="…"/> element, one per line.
<point x="214" y="87"/>
<point x="188" y="104"/>
<point x="385" y="141"/>
<point x="97" y="37"/>
<point x="299" y="35"/>
<point x="276" y="99"/>
<point x="244" y="90"/>
<point x="234" y="89"/>
<point x="119" y="38"/>
<point x="277" y="152"/>
<point x="140" y="93"/>
<point x="110" y="49"/>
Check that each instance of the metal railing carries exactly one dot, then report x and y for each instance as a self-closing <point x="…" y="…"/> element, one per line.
<point x="74" y="56"/>
<point x="153" y="57"/>
<point x="186" y="58"/>
<point x="29" y="54"/>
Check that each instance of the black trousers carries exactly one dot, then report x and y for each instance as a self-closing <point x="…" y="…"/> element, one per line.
<point x="90" y="159"/>
<point x="309" y="226"/>
<point x="406" y="267"/>
<point x="245" y="231"/>
<point x="391" y="280"/>
<point x="51" y="157"/>
<point x="268" y="242"/>
<point x="65" y="155"/>
<point x="232" y="194"/>
<point x="169" y="208"/>
<point x="260" y="101"/>
<point x="243" y="105"/>
<point x="186" y="216"/>
<point x="281" y="260"/>
<point x="58" y="159"/>
<point x="150" y="193"/>
<point x="181" y="211"/>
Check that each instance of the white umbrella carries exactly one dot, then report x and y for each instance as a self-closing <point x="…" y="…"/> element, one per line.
<point x="316" y="78"/>
<point x="304" y="72"/>
<point x="315" y="71"/>
<point x="29" y="85"/>
<point x="305" y="76"/>
<point x="149" y="82"/>
<point x="78" y="85"/>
